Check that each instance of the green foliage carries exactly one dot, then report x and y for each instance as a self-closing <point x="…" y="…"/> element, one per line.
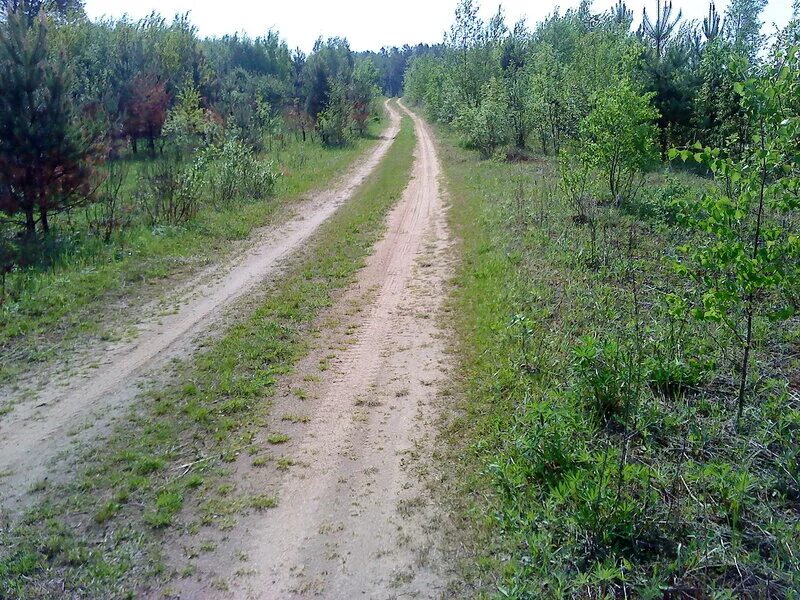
<point x="487" y="126"/>
<point x="45" y="156"/>
<point x="751" y="253"/>
<point x="364" y="92"/>
<point x="424" y="85"/>
<point x="232" y="171"/>
<point x="719" y="117"/>
<point x="553" y="74"/>
<point x="742" y="26"/>
<point x="606" y="463"/>
<point x="336" y="119"/>
<point x="188" y="125"/>
<point x="618" y="135"/>
<point x="601" y="379"/>
<point x="168" y="194"/>
<point x="617" y="141"/>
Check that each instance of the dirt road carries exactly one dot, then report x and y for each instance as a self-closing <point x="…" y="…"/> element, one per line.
<point x="38" y="430"/>
<point x="355" y="518"/>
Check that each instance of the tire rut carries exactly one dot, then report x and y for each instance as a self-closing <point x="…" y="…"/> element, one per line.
<point x="355" y="516"/>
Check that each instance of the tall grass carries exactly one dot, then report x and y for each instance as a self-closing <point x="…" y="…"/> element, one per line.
<point x="604" y="460"/>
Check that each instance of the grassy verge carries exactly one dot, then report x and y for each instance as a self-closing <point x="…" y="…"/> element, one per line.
<point x="85" y="272"/>
<point x="99" y="535"/>
<point x="597" y="446"/>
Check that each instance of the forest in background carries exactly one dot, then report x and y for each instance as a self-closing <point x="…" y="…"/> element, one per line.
<point x="116" y="133"/>
<point x="518" y="87"/>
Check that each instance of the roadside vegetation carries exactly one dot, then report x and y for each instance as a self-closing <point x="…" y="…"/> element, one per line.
<point x="627" y="301"/>
<point x="165" y="467"/>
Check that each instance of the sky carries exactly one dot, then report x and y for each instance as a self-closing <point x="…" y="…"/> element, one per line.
<point x="369" y="24"/>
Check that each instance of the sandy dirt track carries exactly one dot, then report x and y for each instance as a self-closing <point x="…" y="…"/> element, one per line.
<point x="36" y="432"/>
<point x="355" y="516"/>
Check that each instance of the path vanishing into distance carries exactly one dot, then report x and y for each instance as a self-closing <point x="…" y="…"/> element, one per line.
<point x="37" y="431"/>
<point x="356" y="518"/>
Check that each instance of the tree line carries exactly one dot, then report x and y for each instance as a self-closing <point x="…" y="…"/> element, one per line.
<point x="524" y="87"/>
<point x="77" y="96"/>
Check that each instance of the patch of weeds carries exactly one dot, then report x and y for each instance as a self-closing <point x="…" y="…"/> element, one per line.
<point x="263" y="502"/>
<point x="225" y="489"/>
<point x="260" y="461"/>
<point x="284" y="463"/>
<point x="278" y="438"/>
<point x="167" y="504"/>
<point x="106" y="512"/>
<point x="193" y="481"/>
<point x="39" y="486"/>
<point x="188" y="571"/>
<point x="292" y="418"/>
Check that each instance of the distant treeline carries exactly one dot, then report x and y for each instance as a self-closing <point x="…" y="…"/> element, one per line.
<point x="101" y="89"/>
<point x="523" y="86"/>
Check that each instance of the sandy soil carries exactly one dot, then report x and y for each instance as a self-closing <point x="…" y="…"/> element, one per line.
<point x="40" y="429"/>
<point x="356" y="516"/>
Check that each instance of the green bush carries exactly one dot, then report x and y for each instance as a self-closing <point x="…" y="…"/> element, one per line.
<point x="486" y="127"/>
<point x="661" y="203"/>
<point x="234" y="172"/>
<point x="602" y="378"/>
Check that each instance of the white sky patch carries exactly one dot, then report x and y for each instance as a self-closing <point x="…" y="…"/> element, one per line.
<point x="370" y="24"/>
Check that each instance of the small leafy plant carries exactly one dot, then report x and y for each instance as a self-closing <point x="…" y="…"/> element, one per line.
<point x="750" y="254"/>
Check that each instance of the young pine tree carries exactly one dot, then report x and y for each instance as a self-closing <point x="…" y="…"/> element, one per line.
<point x="45" y="158"/>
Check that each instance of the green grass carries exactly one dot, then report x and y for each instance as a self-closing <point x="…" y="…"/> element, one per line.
<point x="176" y="443"/>
<point x="86" y="273"/>
<point x="595" y="452"/>
<point x="278" y="438"/>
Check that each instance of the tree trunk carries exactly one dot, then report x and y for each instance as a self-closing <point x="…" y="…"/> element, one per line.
<point x="134" y="145"/>
<point x="30" y="223"/>
<point x="43" y="220"/>
<point x="745" y="365"/>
